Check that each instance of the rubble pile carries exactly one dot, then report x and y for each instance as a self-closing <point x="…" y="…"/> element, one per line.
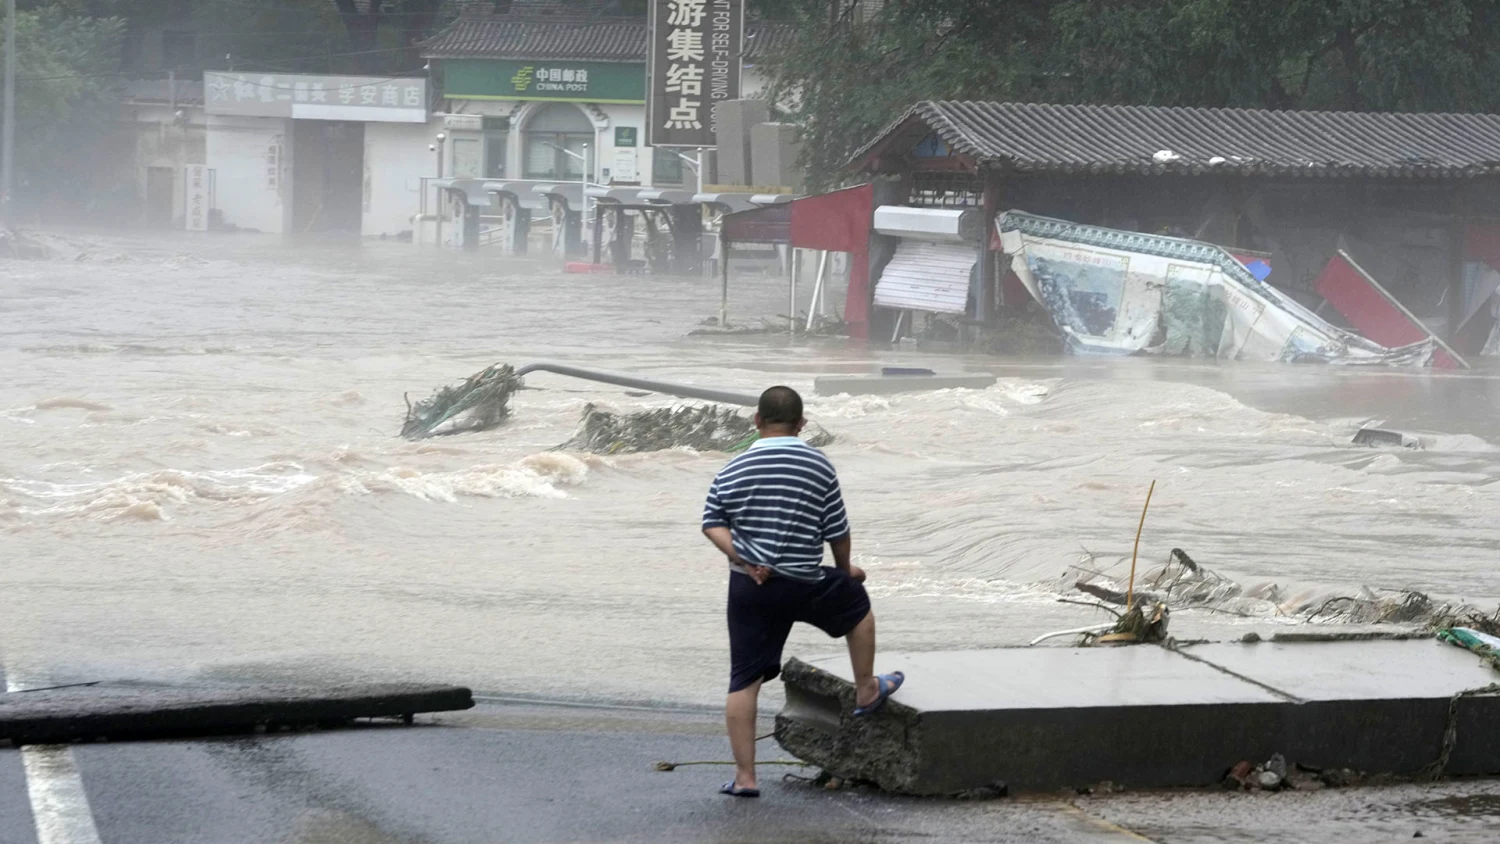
<point x="1183" y="584"/>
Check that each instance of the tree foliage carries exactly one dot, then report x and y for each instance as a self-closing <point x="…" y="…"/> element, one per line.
<point x="63" y="89"/>
<point x="856" y="65"/>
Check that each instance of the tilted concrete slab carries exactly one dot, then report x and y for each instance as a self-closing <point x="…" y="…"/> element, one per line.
<point x="129" y="711"/>
<point x="1044" y="718"/>
<point x="883" y="385"/>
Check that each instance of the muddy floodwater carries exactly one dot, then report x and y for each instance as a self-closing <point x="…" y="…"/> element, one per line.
<point x="200" y="478"/>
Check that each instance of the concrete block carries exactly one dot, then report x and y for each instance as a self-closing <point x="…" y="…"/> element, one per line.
<point x="92" y="712"/>
<point x="1142" y="716"/>
<point x="774" y="148"/>
<point x="883" y="385"/>
<point x="735" y="117"/>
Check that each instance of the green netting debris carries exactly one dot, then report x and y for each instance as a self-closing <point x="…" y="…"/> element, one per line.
<point x="481" y="402"/>
<point x="699" y="427"/>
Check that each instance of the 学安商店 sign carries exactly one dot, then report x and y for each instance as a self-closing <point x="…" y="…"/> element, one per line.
<point x="696" y="50"/>
<point x="307" y="97"/>
<point x="558" y="81"/>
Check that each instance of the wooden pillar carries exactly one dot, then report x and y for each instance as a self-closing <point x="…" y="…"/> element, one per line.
<point x="984" y="296"/>
<point x="1457" y="230"/>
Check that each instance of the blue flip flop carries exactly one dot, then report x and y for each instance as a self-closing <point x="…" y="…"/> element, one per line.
<point x="733" y="790"/>
<point x="888" y="683"/>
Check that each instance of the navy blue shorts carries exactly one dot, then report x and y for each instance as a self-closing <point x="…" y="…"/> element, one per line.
<point x="761" y="617"/>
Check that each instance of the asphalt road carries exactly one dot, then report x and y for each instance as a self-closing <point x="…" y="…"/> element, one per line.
<point x="528" y="773"/>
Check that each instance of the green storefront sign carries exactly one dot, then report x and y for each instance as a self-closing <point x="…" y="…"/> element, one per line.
<point x="593" y="82"/>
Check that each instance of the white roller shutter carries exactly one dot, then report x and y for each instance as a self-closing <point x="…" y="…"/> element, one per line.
<point x="927" y="277"/>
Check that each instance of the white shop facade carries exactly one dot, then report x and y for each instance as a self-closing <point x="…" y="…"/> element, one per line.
<point x="302" y="154"/>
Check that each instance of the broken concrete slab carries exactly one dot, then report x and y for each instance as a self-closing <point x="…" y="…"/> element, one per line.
<point x="883" y="385"/>
<point x="1377" y="437"/>
<point x="1143" y="716"/>
<point x="70" y="714"/>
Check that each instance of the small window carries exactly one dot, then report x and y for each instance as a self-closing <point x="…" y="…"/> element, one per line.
<point x="666" y="167"/>
<point x="557" y="140"/>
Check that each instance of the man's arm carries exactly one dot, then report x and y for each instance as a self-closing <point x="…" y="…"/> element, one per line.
<point x="723" y="540"/>
<point x="836" y="529"/>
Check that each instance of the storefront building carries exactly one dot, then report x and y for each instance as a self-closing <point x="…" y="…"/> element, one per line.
<point x="303" y="154"/>
<point x="550" y="98"/>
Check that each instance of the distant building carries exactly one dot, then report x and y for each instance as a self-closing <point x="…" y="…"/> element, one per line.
<point x="165" y="131"/>
<point x="542" y="82"/>
<point x="309" y="154"/>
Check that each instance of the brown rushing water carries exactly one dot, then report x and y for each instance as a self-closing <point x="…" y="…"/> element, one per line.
<point x="199" y="476"/>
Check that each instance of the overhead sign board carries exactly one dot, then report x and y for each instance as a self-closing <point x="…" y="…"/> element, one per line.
<point x="696" y="50"/>
<point x="557" y="81"/>
<point x="306" y="97"/>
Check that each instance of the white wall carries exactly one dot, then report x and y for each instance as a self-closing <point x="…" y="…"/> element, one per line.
<point x="396" y="160"/>
<point x="237" y="151"/>
<point x="162" y="141"/>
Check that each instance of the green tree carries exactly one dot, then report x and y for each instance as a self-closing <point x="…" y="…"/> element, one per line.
<point x="850" y="72"/>
<point x="855" y="66"/>
<point x="65" y="75"/>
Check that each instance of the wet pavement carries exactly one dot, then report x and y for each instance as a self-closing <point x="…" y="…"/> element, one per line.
<point x="536" y="773"/>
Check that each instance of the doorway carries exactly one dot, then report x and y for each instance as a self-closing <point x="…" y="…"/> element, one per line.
<point x="328" y="177"/>
<point x="161" y="195"/>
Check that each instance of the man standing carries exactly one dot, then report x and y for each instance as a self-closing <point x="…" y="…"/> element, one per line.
<point x="769" y="511"/>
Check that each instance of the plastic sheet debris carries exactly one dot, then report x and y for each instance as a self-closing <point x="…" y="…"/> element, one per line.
<point x="1121" y="292"/>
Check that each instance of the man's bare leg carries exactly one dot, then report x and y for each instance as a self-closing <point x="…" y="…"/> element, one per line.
<point x="739" y="718"/>
<point x="862" y="656"/>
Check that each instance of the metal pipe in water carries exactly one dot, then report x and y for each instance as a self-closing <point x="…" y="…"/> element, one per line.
<point x="621" y="379"/>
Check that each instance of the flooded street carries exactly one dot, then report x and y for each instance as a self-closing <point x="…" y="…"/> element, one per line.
<point x="200" y="478"/>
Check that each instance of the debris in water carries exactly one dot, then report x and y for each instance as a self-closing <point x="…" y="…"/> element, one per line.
<point x="1183" y="584"/>
<point x="1376" y="437"/>
<point x="481" y="402"/>
<point x="699" y="427"/>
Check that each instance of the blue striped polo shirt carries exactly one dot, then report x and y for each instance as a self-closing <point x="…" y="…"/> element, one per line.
<point x="781" y="503"/>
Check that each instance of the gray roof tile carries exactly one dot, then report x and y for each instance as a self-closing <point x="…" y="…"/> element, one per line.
<point x="1157" y="139"/>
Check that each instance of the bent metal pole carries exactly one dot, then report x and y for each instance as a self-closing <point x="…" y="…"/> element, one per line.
<point x="622" y="379"/>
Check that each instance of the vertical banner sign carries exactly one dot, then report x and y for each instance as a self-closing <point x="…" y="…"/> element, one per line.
<point x="696" y="48"/>
<point x="195" y="200"/>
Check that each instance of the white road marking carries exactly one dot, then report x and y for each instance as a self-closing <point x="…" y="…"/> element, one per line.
<point x="58" y="803"/>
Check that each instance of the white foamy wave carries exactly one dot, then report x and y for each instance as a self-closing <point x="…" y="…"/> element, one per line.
<point x="148" y="495"/>
<point x="984" y="401"/>
<point x="845" y="406"/>
<point x="537" y="476"/>
<point x="1022" y="392"/>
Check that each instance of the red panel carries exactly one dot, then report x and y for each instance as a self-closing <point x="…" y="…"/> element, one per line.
<point x="839" y="221"/>
<point x="1371" y="310"/>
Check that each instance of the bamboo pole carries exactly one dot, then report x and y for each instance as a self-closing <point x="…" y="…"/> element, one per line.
<point x="1130" y="590"/>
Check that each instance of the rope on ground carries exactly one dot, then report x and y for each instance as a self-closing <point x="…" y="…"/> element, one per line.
<point x="672" y="766"/>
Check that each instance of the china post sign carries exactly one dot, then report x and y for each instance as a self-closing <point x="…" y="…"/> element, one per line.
<point x="304" y="97"/>
<point x="695" y="65"/>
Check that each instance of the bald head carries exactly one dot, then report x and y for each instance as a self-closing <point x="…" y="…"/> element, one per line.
<point x="779" y="412"/>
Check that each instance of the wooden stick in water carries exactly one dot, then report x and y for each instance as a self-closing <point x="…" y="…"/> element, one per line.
<point x="1130" y="590"/>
